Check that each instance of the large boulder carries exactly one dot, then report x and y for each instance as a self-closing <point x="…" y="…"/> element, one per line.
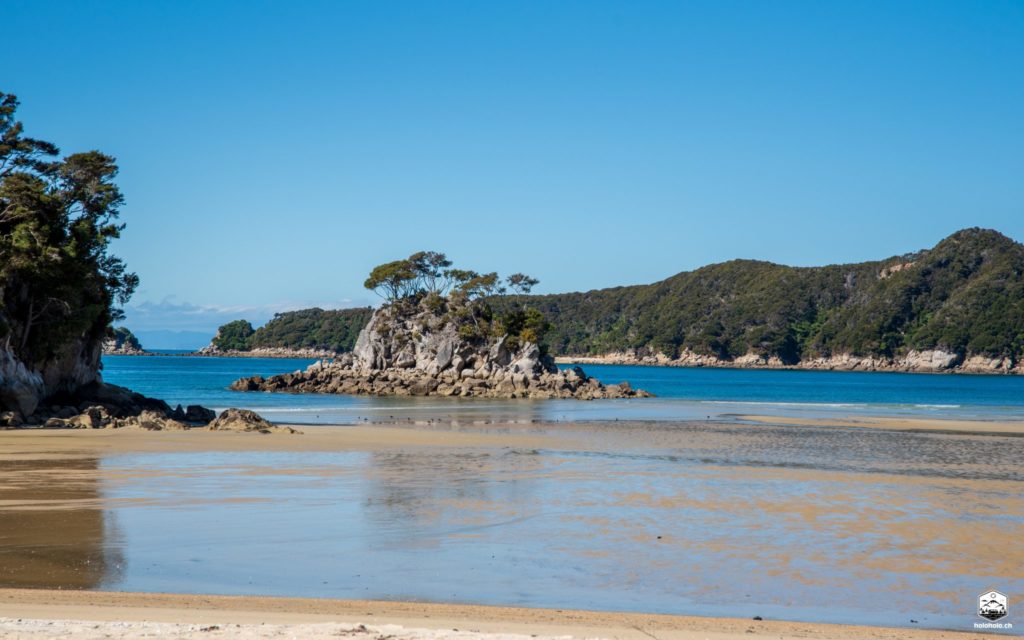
<point x="246" y="421"/>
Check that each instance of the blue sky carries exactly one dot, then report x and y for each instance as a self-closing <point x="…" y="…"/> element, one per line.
<point x="273" y="152"/>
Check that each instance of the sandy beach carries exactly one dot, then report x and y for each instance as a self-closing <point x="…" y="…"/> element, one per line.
<point x="45" y="613"/>
<point x="907" y="516"/>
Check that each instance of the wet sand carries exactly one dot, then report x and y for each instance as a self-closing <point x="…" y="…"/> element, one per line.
<point x="84" y="614"/>
<point x="898" y="424"/>
<point x="742" y="502"/>
<point x="54" y="443"/>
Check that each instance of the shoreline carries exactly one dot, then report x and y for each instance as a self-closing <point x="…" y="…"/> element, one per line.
<point x="294" y="615"/>
<point x="390" y="433"/>
<point x="763" y="365"/>
<point x="840" y="365"/>
<point x="276" y="354"/>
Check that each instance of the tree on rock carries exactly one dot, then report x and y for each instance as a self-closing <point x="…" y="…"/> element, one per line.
<point x="393" y="280"/>
<point x="464" y="296"/>
<point x="431" y="270"/>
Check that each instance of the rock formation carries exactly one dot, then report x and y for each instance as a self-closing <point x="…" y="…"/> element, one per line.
<point x="25" y="383"/>
<point x="122" y="342"/>
<point x="435" y="346"/>
<point x="107" y="406"/>
<point x="246" y="421"/>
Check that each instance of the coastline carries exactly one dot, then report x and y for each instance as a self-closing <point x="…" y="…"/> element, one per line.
<point x="283" y="354"/>
<point x="975" y="365"/>
<point x="916" y="362"/>
<point x="132" y="614"/>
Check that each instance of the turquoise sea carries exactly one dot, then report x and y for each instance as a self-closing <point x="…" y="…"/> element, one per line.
<point x="682" y="393"/>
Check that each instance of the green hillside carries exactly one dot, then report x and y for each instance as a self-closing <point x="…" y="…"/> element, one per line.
<point x="334" y="330"/>
<point x="965" y="295"/>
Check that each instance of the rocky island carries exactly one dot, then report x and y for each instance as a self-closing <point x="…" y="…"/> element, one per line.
<point x="122" y="342"/>
<point x="439" y="335"/>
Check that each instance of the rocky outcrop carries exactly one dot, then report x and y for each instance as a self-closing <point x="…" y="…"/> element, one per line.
<point x="122" y="342"/>
<point x="422" y="350"/>
<point x="97" y="405"/>
<point x="246" y="421"/>
<point x="111" y="348"/>
<point x="925" y="361"/>
<point x="105" y="406"/>
<point x="23" y="386"/>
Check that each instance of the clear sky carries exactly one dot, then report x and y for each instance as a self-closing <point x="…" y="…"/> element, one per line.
<point x="273" y="152"/>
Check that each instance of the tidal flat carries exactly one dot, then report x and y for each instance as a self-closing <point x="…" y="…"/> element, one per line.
<point x="810" y="522"/>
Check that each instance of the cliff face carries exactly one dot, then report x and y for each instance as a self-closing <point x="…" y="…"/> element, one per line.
<point x="416" y="349"/>
<point x="23" y="385"/>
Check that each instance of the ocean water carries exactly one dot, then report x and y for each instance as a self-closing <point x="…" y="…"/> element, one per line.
<point x="682" y="394"/>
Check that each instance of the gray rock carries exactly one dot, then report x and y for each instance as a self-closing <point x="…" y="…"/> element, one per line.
<point x="431" y="356"/>
<point x="246" y="421"/>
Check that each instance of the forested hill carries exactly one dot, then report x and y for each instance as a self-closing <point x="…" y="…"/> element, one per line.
<point x="333" y="330"/>
<point x="964" y="296"/>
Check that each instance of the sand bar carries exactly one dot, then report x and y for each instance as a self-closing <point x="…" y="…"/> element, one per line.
<point x="896" y="423"/>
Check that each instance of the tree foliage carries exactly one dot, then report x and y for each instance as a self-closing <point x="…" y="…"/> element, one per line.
<point x="234" y="336"/>
<point x="57" y="219"/>
<point x="463" y="295"/>
<point x="965" y="295"/>
<point x="334" y="330"/>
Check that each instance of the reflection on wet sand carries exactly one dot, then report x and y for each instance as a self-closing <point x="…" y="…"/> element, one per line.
<point x="880" y="525"/>
<point x="54" y="531"/>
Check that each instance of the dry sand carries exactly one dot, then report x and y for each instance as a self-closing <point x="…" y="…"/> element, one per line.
<point x="90" y="614"/>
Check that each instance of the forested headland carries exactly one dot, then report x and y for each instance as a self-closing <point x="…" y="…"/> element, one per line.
<point x="963" y="298"/>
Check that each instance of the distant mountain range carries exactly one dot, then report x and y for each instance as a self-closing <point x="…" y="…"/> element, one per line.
<point x="958" y="303"/>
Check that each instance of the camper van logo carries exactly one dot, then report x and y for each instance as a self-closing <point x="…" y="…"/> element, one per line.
<point x="992" y="605"/>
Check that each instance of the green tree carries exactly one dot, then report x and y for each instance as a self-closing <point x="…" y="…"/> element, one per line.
<point x="234" y="336"/>
<point x="57" y="219"/>
<point x="430" y="269"/>
<point x="392" y="280"/>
